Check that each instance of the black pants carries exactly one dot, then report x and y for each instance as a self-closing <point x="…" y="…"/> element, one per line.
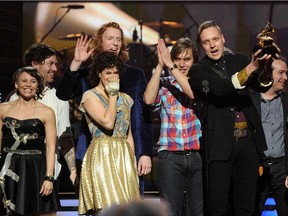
<point x="273" y="180"/>
<point x="233" y="183"/>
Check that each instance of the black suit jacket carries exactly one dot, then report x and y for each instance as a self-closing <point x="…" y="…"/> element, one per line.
<point x="133" y="83"/>
<point x="256" y="98"/>
<point x="222" y="102"/>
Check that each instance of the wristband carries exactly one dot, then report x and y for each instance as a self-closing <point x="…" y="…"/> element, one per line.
<point x="113" y="93"/>
<point x="173" y="67"/>
<point x="49" y="178"/>
<point x="112" y="88"/>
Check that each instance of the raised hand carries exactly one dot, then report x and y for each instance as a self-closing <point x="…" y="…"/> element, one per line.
<point x="160" y="61"/>
<point x="277" y="55"/>
<point x="82" y="52"/>
<point x="164" y="53"/>
<point x="255" y="60"/>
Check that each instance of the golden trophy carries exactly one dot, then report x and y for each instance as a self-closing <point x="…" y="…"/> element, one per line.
<point x="266" y="38"/>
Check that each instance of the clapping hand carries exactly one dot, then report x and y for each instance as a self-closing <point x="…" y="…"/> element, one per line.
<point x="164" y="56"/>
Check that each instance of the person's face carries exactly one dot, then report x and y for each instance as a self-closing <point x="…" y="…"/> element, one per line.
<point x="107" y="74"/>
<point x="212" y="42"/>
<point x="47" y="69"/>
<point x="112" y="40"/>
<point x="279" y="75"/>
<point x="26" y="85"/>
<point x="184" y="61"/>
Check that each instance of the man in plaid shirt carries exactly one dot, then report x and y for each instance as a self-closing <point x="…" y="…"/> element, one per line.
<point x="179" y="161"/>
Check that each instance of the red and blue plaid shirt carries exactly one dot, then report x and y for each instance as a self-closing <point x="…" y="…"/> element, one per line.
<point x="180" y="127"/>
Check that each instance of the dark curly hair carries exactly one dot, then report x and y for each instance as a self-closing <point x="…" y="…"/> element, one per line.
<point x="38" y="52"/>
<point x="104" y="60"/>
<point x="34" y="73"/>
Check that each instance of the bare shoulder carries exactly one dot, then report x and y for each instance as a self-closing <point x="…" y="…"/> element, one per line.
<point x="88" y="93"/>
<point x="4" y="107"/>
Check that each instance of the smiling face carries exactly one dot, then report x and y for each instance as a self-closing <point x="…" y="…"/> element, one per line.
<point x="279" y="75"/>
<point x="26" y="85"/>
<point x="212" y="42"/>
<point x="112" y="40"/>
<point x="48" y="68"/>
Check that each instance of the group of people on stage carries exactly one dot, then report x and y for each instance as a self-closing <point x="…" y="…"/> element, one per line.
<point x="222" y="142"/>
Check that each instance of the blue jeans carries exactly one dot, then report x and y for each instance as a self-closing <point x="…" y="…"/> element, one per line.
<point x="179" y="173"/>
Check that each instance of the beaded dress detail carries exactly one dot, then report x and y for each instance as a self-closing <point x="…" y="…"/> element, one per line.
<point x="23" y="167"/>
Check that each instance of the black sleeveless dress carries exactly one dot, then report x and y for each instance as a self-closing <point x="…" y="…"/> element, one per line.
<point x="23" y="167"/>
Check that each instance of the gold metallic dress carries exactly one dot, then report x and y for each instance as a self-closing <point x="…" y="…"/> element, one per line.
<point x="108" y="174"/>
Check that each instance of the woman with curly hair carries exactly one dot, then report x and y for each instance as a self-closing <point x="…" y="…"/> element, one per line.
<point x="109" y="173"/>
<point x="74" y="82"/>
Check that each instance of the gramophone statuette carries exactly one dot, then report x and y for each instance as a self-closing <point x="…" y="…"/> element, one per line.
<point x="266" y="38"/>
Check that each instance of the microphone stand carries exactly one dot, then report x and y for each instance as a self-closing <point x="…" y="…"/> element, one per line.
<point x="141" y="45"/>
<point x="206" y="155"/>
<point x="55" y="24"/>
<point x="141" y="27"/>
<point x="194" y="21"/>
<point x="190" y="16"/>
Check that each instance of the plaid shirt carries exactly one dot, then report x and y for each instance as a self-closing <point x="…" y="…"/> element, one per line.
<point x="180" y="127"/>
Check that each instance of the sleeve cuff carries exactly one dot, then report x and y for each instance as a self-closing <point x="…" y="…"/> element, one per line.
<point x="236" y="82"/>
<point x="264" y="84"/>
<point x="242" y="77"/>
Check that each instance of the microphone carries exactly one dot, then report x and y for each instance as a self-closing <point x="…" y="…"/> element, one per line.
<point x="73" y="6"/>
<point x="135" y="35"/>
<point x="205" y="85"/>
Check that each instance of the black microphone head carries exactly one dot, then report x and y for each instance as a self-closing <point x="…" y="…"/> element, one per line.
<point x="205" y="83"/>
<point x="135" y="35"/>
<point x="73" y="6"/>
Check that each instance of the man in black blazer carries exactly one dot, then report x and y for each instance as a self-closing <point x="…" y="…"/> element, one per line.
<point x="272" y="107"/>
<point x="73" y="83"/>
<point x="232" y="129"/>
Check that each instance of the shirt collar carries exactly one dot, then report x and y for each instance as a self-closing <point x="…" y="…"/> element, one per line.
<point x="274" y="98"/>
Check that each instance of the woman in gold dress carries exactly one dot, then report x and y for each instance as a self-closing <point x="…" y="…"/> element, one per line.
<point x="109" y="174"/>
